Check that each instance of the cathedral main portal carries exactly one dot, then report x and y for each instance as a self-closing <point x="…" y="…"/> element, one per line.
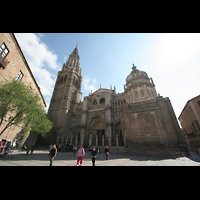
<point x="97" y="133"/>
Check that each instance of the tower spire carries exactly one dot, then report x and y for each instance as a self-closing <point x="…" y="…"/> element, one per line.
<point x="75" y="50"/>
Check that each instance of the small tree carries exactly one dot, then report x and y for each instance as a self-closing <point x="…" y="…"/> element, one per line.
<point x="22" y="107"/>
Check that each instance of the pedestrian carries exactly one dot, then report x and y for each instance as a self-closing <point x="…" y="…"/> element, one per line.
<point x="98" y="151"/>
<point x="52" y="154"/>
<point x="28" y="148"/>
<point x="94" y="153"/>
<point x="32" y="148"/>
<point x="80" y="154"/>
<point x="107" y="153"/>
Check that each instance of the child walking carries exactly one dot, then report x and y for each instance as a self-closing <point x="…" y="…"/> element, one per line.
<point x="80" y="154"/>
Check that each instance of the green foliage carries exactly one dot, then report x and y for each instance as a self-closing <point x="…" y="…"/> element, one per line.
<point x="22" y="107"/>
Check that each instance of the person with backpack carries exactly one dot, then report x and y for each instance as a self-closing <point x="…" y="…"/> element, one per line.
<point x="80" y="154"/>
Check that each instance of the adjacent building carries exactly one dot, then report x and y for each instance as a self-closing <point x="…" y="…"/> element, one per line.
<point x="190" y="122"/>
<point x="13" y="65"/>
<point x="136" y="120"/>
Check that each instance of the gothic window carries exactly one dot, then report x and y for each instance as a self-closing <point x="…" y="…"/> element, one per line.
<point x="65" y="78"/>
<point x="95" y="102"/>
<point x="102" y="100"/>
<point x="61" y="79"/>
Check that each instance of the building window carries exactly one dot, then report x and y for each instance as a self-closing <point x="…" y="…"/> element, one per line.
<point x="3" y="53"/>
<point x="19" y="76"/>
<point x="198" y="103"/>
<point x="102" y="100"/>
<point x="194" y="128"/>
<point x="61" y="79"/>
<point x="30" y="89"/>
<point x="95" y="102"/>
<point x="197" y="124"/>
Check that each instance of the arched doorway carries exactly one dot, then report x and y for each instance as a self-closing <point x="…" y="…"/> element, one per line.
<point x="118" y="131"/>
<point x="97" y="128"/>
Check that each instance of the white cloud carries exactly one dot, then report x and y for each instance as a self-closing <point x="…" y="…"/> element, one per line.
<point x="36" y="51"/>
<point x="41" y="60"/>
<point x="87" y="86"/>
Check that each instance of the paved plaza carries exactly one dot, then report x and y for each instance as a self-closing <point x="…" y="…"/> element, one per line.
<point x="40" y="158"/>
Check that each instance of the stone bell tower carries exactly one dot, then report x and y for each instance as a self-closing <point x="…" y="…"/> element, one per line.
<point x="67" y="92"/>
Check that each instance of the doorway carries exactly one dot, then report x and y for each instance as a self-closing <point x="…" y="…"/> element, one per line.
<point x="100" y="134"/>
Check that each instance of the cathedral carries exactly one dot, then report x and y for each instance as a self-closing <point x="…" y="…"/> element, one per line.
<point x="138" y="120"/>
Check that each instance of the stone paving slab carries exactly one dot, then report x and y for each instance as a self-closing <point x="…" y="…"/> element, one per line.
<point x="40" y="158"/>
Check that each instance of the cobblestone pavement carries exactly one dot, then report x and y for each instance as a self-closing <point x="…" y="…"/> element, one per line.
<point x="40" y="158"/>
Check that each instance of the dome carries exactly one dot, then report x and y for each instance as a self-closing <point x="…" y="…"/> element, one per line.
<point x="136" y="75"/>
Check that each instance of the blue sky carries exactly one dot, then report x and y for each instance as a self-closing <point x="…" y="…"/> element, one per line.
<point x="172" y="60"/>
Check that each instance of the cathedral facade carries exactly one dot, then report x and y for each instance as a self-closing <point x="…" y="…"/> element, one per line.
<point x="137" y="120"/>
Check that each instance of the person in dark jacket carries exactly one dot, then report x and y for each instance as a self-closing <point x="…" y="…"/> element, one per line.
<point x="94" y="154"/>
<point x="52" y="154"/>
<point x="107" y="153"/>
